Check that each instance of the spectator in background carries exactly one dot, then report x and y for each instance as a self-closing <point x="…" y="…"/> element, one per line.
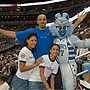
<point x="82" y="64"/>
<point x="3" y="83"/>
<point x="11" y="72"/>
<point x="86" y="64"/>
<point x="3" y="67"/>
<point x="86" y="81"/>
<point x="15" y="55"/>
<point x="7" y="62"/>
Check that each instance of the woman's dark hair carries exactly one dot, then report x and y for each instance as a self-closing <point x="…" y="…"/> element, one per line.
<point x="53" y="45"/>
<point x="28" y="37"/>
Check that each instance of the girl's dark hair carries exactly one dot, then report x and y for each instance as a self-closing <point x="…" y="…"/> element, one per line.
<point x="28" y="37"/>
<point x="53" y="45"/>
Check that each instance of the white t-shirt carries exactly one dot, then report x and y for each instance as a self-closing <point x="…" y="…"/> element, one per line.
<point x="26" y="56"/>
<point x="4" y="86"/>
<point x="35" y="76"/>
<point x="51" y="67"/>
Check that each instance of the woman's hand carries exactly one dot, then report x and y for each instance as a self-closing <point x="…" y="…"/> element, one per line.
<point x="39" y="60"/>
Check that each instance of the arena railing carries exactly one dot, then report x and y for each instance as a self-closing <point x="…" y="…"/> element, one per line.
<point x="77" y="57"/>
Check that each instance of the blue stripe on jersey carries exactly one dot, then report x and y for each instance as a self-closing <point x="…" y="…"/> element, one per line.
<point x="71" y="53"/>
<point x="68" y="43"/>
<point x="70" y="48"/>
<point x="71" y="58"/>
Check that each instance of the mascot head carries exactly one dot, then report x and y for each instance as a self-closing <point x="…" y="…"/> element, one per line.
<point x="61" y="27"/>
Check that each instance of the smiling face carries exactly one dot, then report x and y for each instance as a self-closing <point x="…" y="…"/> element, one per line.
<point x="54" y="51"/>
<point x="32" y="42"/>
<point x="42" y="20"/>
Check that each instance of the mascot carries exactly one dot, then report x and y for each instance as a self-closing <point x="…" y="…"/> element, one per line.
<point x="63" y="29"/>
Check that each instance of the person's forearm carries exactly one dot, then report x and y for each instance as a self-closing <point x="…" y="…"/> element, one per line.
<point x="52" y="82"/>
<point x="8" y="33"/>
<point x="26" y="68"/>
<point x="9" y="72"/>
<point x="52" y="85"/>
<point x="3" y="69"/>
<point x="45" y="81"/>
<point x="87" y="78"/>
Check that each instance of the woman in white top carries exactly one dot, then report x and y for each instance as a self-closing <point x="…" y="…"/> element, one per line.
<point x="26" y="63"/>
<point x="49" y="67"/>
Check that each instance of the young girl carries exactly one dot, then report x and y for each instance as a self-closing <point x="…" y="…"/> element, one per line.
<point x="49" y="67"/>
<point x="26" y="63"/>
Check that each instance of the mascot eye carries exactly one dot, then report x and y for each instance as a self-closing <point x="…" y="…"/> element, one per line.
<point x="65" y="27"/>
<point x="58" y="28"/>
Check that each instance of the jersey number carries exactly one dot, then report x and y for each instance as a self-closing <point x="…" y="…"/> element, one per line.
<point x="62" y="51"/>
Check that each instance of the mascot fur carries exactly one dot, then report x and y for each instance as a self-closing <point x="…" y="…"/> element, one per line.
<point x="63" y="29"/>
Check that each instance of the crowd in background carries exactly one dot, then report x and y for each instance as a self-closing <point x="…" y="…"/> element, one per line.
<point x="8" y="64"/>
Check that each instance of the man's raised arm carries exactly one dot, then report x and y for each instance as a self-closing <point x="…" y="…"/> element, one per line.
<point x="8" y="33"/>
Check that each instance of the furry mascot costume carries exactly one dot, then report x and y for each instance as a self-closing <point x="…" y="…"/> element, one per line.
<point x="63" y="29"/>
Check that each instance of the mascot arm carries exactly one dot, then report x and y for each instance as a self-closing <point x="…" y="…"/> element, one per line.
<point x="79" y="43"/>
<point x="87" y="43"/>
